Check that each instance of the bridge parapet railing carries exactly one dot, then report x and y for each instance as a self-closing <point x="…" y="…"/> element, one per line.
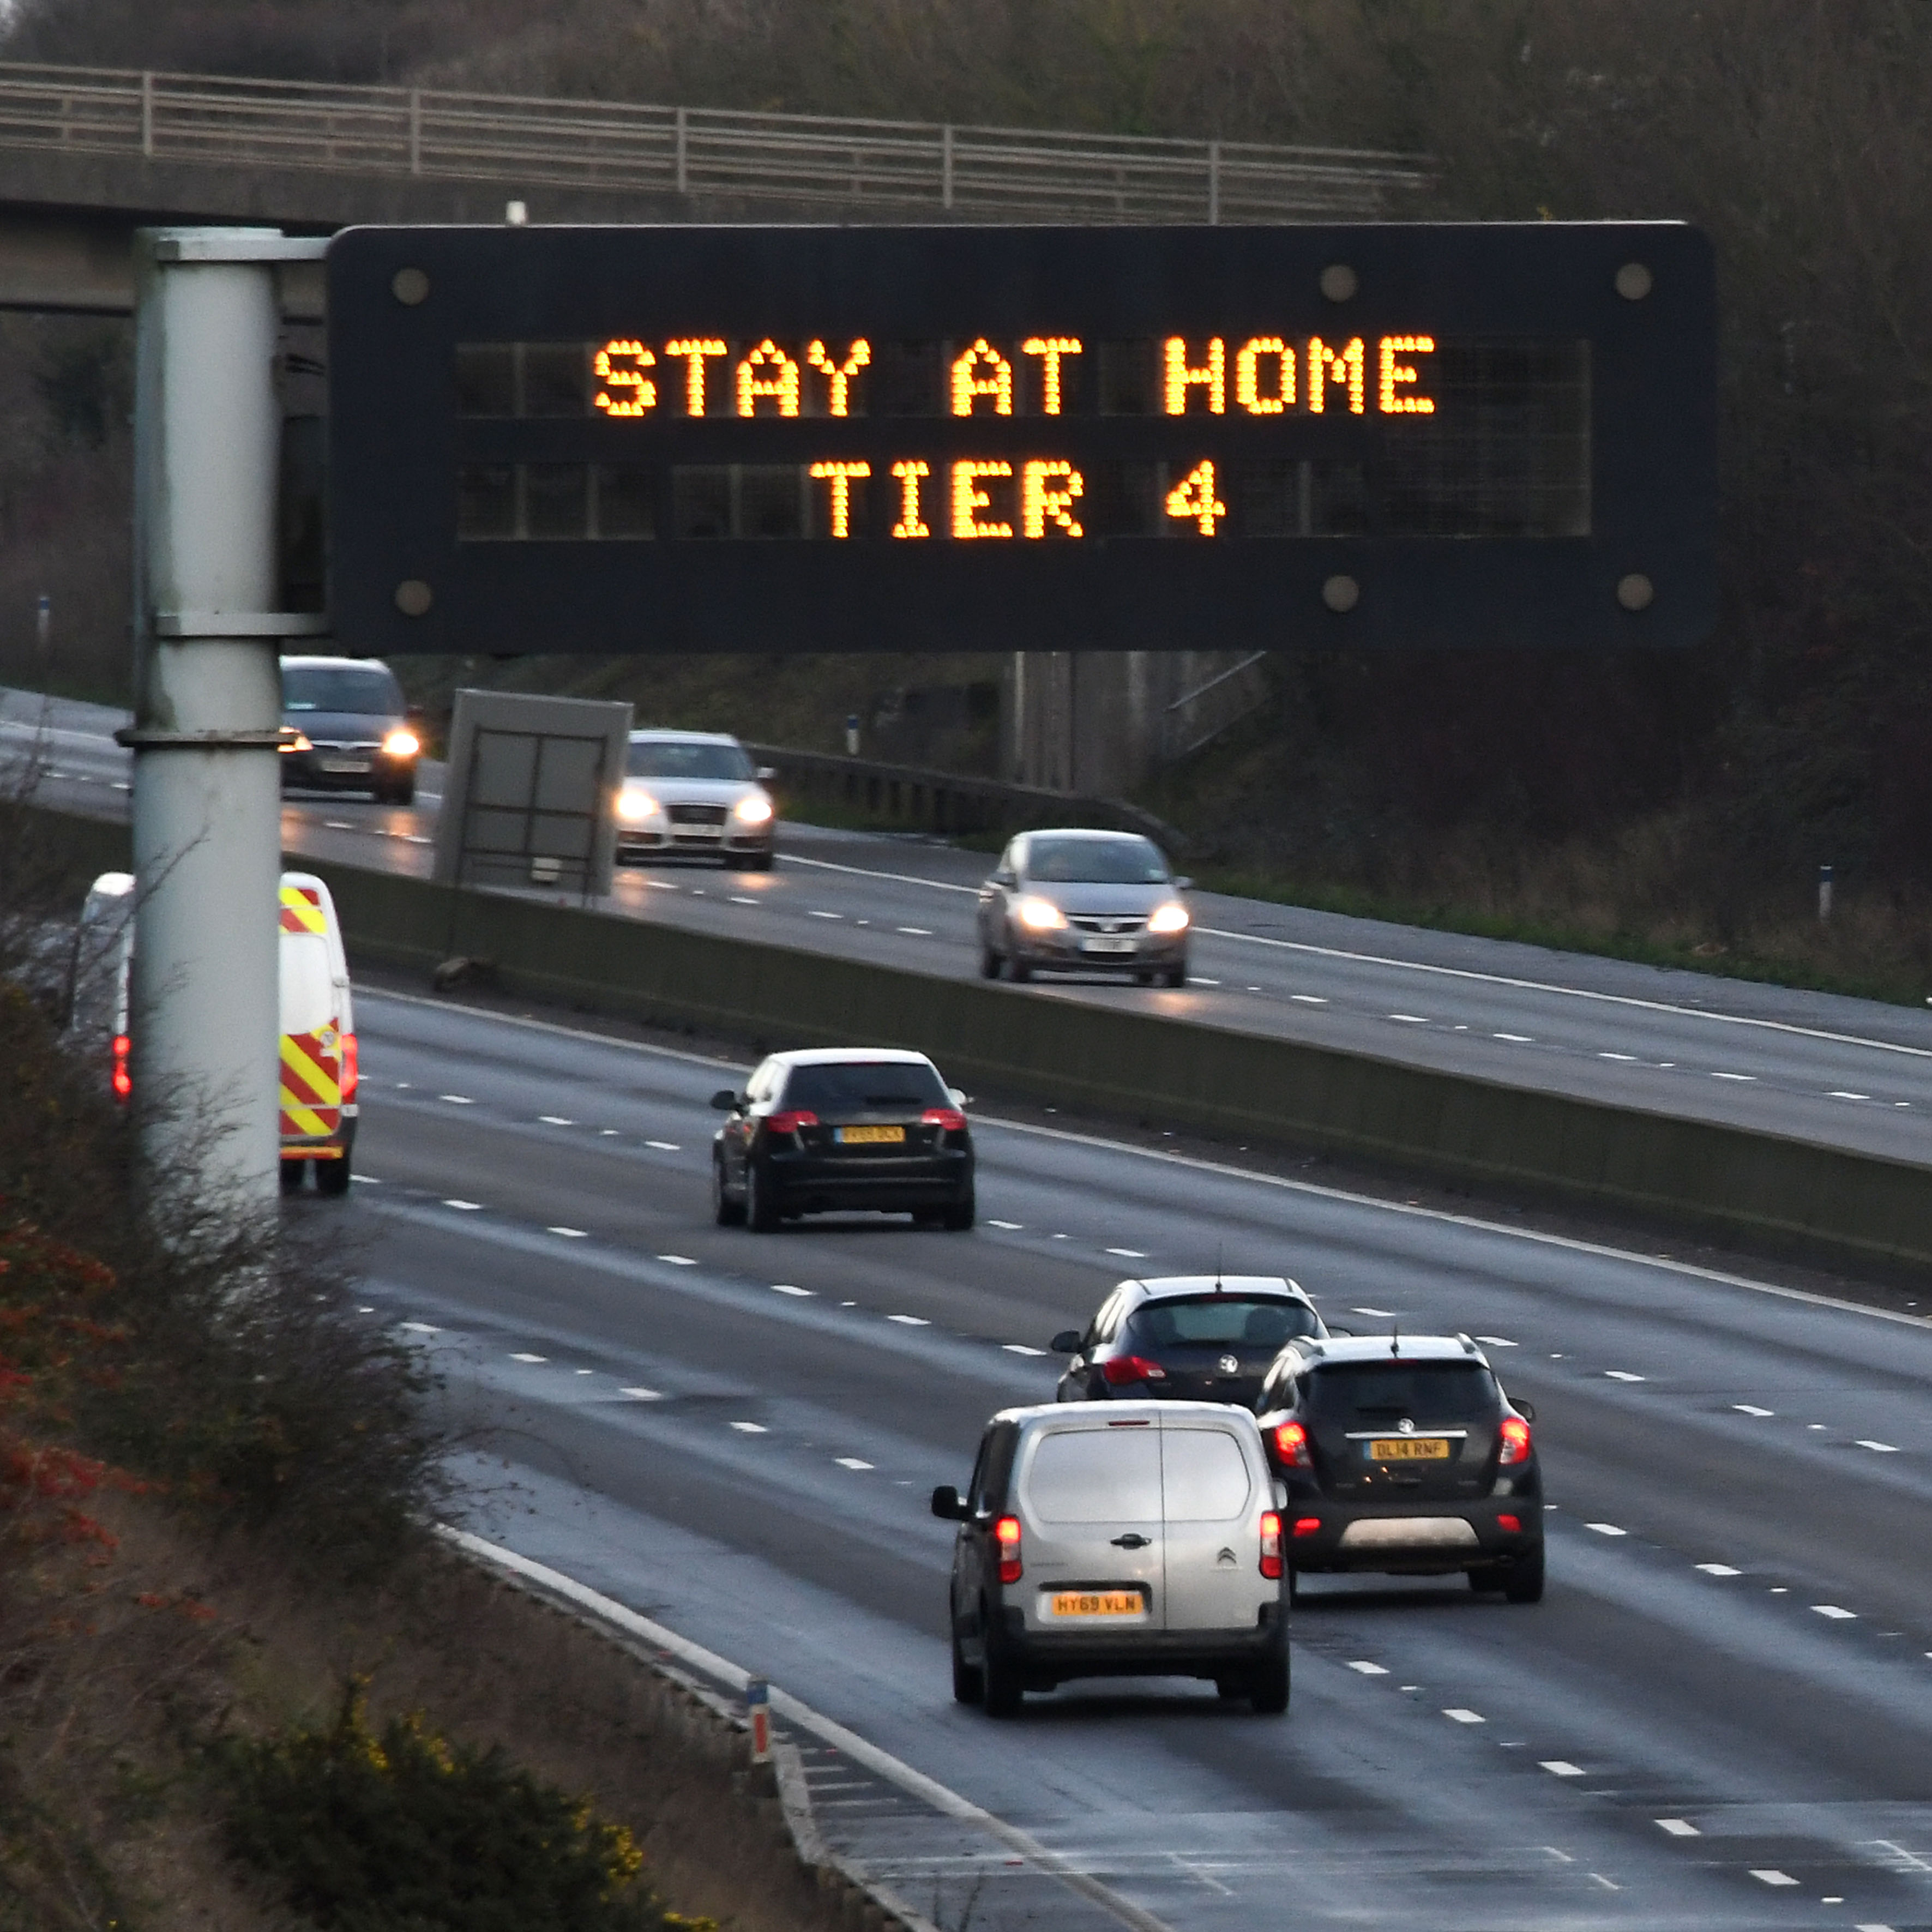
<point x="901" y="166"/>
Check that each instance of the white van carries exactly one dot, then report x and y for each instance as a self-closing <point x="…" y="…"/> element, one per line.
<point x="318" y="1071"/>
<point x="1118" y="1539"/>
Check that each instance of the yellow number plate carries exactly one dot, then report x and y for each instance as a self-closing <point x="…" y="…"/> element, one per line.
<point x="848" y="1136"/>
<point x="1097" y="1604"/>
<point x="1409" y="1449"/>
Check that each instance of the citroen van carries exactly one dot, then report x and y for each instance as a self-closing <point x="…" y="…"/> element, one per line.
<point x="1118" y="1539"/>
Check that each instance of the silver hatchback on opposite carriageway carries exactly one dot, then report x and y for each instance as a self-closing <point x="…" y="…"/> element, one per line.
<point x="1071" y="900"/>
<point x="694" y="794"/>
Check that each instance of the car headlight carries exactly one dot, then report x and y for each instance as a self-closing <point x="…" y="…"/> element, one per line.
<point x="401" y="744"/>
<point x="293" y="740"/>
<point x="753" y="808"/>
<point x="634" y="804"/>
<point x="1171" y="917"/>
<point x="1039" y="915"/>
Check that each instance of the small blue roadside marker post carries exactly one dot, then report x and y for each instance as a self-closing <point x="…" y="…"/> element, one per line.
<point x="758" y="1708"/>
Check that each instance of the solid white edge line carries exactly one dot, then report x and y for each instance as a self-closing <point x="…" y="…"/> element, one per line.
<point x="880" y="1763"/>
<point x="1441" y="1217"/>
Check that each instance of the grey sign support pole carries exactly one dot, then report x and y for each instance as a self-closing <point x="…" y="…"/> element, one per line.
<point x="207" y="819"/>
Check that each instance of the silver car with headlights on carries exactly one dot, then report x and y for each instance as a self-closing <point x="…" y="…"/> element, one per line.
<point x="694" y="792"/>
<point x="1078" y="901"/>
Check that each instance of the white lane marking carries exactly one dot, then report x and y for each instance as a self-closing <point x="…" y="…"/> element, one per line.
<point x="1838" y="1093"/>
<point x="1622" y="1375"/>
<point x="1874" y="1926"/>
<point x="516" y="1357"/>
<point x="420" y="1327"/>
<point x="642" y="1394"/>
<point x="1773" y="1877"/>
<point x="1836" y="1614"/>
<point x="1881" y="1448"/>
<point x="850" y="1462"/>
<point x="1129" y="1254"/>
<point x="1629" y="1059"/>
<point x="1196" y="980"/>
<point x="1752" y="1409"/>
<point x="607" y="1133"/>
<point x="1461" y="1716"/>
<point x="337" y="825"/>
<point x="1020" y="1349"/>
<point x="556" y="1121"/>
<point x="1011" y="1227"/>
<point x="365" y="1311"/>
<point x="121" y="785"/>
<point x="1496" y="1341"/>
<point x="1300" y="999"/>
<point x="742" y="899"/>
<point x="1734" y="1076"/>
<point x="1679" y="1828"/>
<point x="1367" y="1668"/>
<point x="1719" y="1570"/>
<point x="750" y="1429"/>
<point x="1515" y="1039"/>
<point x="467" y="1207"/>
<point x="665" y="1146"/>
<point x="915" y="931"/>
<point x="1562" y="1767"/>
<point x="569" y="1234"/>
<point x="585" y="1371"/>
<point x="1608" y="1884"/>
<point x="678" y="1261"/>
<point x="1606" y="1529"/>
<point x="910" y="1320"/>
<point x="367" y="1180"/>
<point x="813" y="913"/>
<point x="456" y="1099"/>
<point x="1411" y="1019"/>
<point x="1380" y="1314"/>
<point x="789" y="1287"/>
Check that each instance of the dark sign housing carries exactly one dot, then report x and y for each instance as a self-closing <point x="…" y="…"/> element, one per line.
<point x="640" y="439"/>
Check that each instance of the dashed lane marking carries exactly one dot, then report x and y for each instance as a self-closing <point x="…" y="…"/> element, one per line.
<point x="1839" y="1094"/>
<point x="1562" y="1767"/>
<point x="1622" y="1375"/>
<point x="1459" y="1716"/>
<point x="465" y="1206"/>
<point x="642" y="1394"/>
<point x="665" y="1146"/>
<point x="1719" y="1570"/>
<point x="1629" y="1059"/>
<point x="1679" y="1828"/>
<point x="850" y="1462"/>
<point x="742" y="899"/>
<point x="678" y="1261"/>
<point x="814" y="913"/>
<point x="1880" y="1448"/>
<point x="1300" y="999"/>
<point x="1734" y="1076"/>
<point x="1011" y="1227"/>
<point x="1606" y="1529"/>
<point x="1380" y="1314"/>
<point x="750" y="1429"/>
<point x="1835" y="1613"/>
<point x="1772" y="1876"/>
<point x="791" y="1287"/>
<point x="1496" y="1341"/>
<point x="915" y="931"/>
<point x="556" y="1121"/>
<point x="910" y="1320"/>
<point x="1752" y="1409"/>
<point x="1410" y="1019"/>
<point x="1515" y="1039"/>
<point x="516" y="1357"/>
<point x="1368" y="1669"/>
<point x="1129" y="1254"/>
<point x="456" y="1099"/>
<point x="1020" y="1349"/>
<point x="569" y="1234"/>
<point x="420" y="1327"/>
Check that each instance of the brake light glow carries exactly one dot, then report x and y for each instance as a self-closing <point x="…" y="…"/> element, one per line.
<point x="1291" y="1445"/>
<point x="1307" y="1526"/>
<point x="1270" y="1543"/>
<point x="1123" y="1369"/>
<point x="1006" y="1533"/>
<point x="123" y="1081"/>
<point x="351" y="1070"/>
<point x="948" y="1119"/>
<point x="790" y="1121"/>
<point x="1513" y="1443"/>
<point x="1510" y="1525"/>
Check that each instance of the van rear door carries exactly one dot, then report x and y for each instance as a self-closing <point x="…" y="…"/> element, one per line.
<point x="311" y="1045"/>
<point x="1089" y="1493"/>
<point x="1212" y="1499"/>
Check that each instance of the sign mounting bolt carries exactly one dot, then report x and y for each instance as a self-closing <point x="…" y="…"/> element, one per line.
<point x="409" y="287"/>
<point x="1339" y="282"/>
<point x="414" y="597"/>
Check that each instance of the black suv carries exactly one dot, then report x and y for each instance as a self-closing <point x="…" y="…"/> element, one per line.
<point x="1402" y="1455"/>
<point x="1185" y="1338"/>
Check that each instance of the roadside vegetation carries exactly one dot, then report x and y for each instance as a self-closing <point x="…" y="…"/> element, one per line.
<point x="1673" y="806"/>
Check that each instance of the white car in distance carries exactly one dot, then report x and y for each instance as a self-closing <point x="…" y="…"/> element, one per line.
<point x="687" y="793"/>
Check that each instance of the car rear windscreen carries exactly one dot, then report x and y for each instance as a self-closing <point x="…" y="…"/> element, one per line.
<point x="1218" y="1321"/>
<point x="358" y="690"/>
<point x="1095" y="1475"/>
<point x="864" y="1087"/>
<point x="1346" y="1393"/>
<point x="1204" y="1475"/>
<point x="676" y="758"/>
<point x="1100" y="862"/>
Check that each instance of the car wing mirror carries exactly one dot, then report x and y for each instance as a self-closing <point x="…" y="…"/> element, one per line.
<point x="946" y="1504"/>
<point x="959" y="1097"/>
<point x="1181" y="884"/>
<point x="1004" y="878"/>
<point x="1066" y="1343"/>
<point x="766" y="773"/>
<point x="1527" y="1410"/>
<point x="725" y="1101"/>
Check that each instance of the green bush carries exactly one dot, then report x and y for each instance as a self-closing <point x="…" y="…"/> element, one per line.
<point x="401" y="1832"/>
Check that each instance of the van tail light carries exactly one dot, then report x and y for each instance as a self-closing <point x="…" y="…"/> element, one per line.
<point x="790" y="1122"/>
<point x="1006" y="1533"/>
<point x="351" y="1068"/>
<point x="1513" y="1441"/>
<point x="1124" y="1368"/>
<point x="1307" y="1526"/>
<point x="947" y="1120"/>
<point x="123" y="1081"/>
<point x="1290" y="1446"/>
<point x="1270" y="1543"/>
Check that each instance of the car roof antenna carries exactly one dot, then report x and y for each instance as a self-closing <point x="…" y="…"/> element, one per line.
<point x="1219" y="1247"/>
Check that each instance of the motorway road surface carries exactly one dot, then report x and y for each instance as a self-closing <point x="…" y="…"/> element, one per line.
<point x="1720" y="1717"/>
<point x="1817" y="1066"/>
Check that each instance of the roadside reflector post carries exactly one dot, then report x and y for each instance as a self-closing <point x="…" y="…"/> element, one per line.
<point x="205" y="1023"/>
<point x="758" y="1708"/>
<point x="1825" y="874"/>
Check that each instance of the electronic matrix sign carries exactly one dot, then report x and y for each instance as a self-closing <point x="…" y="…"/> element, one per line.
<point x="640" y="439"/>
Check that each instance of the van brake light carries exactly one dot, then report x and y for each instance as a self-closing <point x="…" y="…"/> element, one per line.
<point x="1514" y="1440"/>
<point x="1290" y="1446"/>
<point x="1122" y="1369"/>
<point x="122" y="1080"/>
<point x="351" y="1072"/>
<point x="1006" y="1533"/>
<point x="1270" y="1543"/>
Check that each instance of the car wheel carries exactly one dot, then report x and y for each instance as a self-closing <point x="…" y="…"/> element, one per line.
<point x="293" y="1173"/>
<point x="1524" y="1582"/>
<point x="1018" y="970"/>
<point x="332" y="1176"/>
<point x="731" y="1213"/>
<point x="958" y="1218"/>
<point x="989" y="963"/>
<point x="1001" y="1686"/>
<point x="1175" y="975"/>
<point x="969" y="1684"/>
<point x="761" y="1214"/>
<point x="1267" y="1691"/>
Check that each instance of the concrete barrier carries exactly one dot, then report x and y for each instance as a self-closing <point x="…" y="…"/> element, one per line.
<point x="1847" y="1209"/>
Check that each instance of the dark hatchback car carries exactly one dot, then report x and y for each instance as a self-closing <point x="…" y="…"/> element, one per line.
<point x="1402" y="1455"/>
<point x="852" y="1127"/>
<point x="345" y="727"/>
<point x="1185" y="1338"/>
